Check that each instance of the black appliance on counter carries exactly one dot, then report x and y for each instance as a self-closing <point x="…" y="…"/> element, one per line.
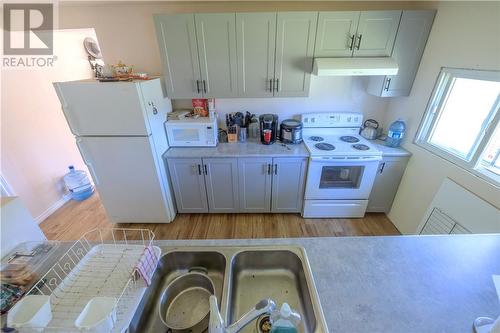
<point x="291" y="131"/>
<point x="268" y="128"/>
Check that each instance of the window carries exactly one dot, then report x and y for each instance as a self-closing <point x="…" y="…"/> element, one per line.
<point x="461" y="123"/>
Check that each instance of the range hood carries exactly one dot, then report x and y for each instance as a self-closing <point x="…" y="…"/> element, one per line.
<point x="355" y="66"/>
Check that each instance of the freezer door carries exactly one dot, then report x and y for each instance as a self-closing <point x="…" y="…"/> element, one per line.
<point x="103" y="108"/>
<point x="127" y="178"/>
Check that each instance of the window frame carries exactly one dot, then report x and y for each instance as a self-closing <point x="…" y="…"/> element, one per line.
<point x="438" y="98"/>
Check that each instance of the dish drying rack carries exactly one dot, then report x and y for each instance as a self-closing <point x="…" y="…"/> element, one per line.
<point x="113" y="262"/>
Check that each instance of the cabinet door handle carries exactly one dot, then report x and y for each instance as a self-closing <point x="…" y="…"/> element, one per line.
<point x="269" y="169"/>
<point x="352" y="43"/>
<point x="199" y="169"/>
<point x="206" y="169"/>
<point x="359" y="42"/>
<point x="276" y="169"/>
<point x="387" y="84"/>
<point x="276" y="85"/>
<point x="204" y="86"/>
<point x="270" y="85"/>
<point x="198" y="86"/>
<point x="382" y="166"/>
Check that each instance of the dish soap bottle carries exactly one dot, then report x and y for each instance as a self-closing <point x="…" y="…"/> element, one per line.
<point x="284" y="320"/>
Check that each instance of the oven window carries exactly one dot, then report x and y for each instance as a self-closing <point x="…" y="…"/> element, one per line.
<point x="341" y="176"/>
<point x="186" y="134"/>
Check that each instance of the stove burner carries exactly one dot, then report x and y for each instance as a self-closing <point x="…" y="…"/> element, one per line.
<point x="324" y="146"/>
<point x="360" y="146"/>
<point x="316" y="138"/>
<point x="349" y="138"/>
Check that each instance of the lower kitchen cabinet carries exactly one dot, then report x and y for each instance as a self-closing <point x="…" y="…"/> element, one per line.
<point x="271" y="184"/>
<point x="288" y="184"/>
<point x="188" y="181"/>
<point x="221" y="179"/>
<point x="255" y="184"/>
<point x="389" y="174"/>
<point x="231" y="185"/>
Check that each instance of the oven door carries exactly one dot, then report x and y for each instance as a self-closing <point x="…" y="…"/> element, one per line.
<point x="341" y="178"/>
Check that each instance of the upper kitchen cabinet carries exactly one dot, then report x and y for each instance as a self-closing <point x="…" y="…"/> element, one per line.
<point x="336" y="34"/>
<point x="255" y="45"/>
<point x="358" y="34"/>
<point x="198" y="54"/>
<point x="411" y="39"/>
<point x="237" y="55"/>
<point x="216" y="37"/>
<point x="376" y="33"/>
<point x="179" y="54"/>
<point x="295" y="37"/>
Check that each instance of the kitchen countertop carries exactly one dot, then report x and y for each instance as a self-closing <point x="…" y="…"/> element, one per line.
<point x="251" y="148"/>
<point x="389" y="151"/>
<point x="408" y="284"/>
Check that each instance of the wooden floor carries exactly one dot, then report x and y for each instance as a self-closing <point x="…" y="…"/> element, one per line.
<point x="75" y="218"/>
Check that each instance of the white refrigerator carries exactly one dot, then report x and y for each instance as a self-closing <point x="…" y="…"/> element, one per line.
<point x="119" y="131"/>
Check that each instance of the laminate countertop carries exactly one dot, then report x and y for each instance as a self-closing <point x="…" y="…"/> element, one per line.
<point x="390" y="151"/>
<point x="251" y="148"/>
<point x="410" y="284"/>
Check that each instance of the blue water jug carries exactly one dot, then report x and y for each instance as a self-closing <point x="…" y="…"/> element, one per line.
<point x="78" y="184"/>
<point x="395" y="133"/>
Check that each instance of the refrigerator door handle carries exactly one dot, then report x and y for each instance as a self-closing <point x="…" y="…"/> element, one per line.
<point x="87" y="163"/>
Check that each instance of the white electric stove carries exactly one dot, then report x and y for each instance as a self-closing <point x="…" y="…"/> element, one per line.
<point x="342" y="166"/>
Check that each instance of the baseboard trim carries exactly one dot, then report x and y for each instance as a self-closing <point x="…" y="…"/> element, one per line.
<point x="65" y="198"/>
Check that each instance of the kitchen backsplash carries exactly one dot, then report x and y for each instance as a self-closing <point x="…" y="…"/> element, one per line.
<point x="327" y="94"/>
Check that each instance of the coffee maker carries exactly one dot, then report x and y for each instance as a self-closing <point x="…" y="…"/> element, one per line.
<point x="268" y="128"/>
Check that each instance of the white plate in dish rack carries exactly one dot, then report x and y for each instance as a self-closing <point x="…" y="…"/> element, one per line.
<point x="106" y="270"/>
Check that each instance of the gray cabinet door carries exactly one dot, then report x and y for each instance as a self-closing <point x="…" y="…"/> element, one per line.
<point x="411" y="39"/>
<point x="179" y="55"/>
<point x="221" y="179"/>
<point x="288" y="184"/>
<point x="255" y="44"/>
<point x="336" y="34"/>
<point x="216" y="36"/>
<point x="189" y="184"/>
<point x="295" y="36"/>
<point x="255" y="184"/>
<point x="376" y="33"/>
<point x="390" y="172"/>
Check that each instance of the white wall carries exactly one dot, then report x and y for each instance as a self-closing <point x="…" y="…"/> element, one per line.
<point x="326" y="94"/>
<point x="36" y="143"/>
<point x="464" y="35"/>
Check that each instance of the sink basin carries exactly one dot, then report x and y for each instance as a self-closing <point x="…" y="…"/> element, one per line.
<point x="242" y="276"/>
<point x="170" y="266"/>
<point x="278" y="275"/>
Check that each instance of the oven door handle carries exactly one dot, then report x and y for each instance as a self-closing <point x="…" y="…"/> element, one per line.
<point x="346" y="159"/>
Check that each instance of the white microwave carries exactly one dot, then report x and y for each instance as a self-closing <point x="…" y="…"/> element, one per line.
<point x="199" y="132"/>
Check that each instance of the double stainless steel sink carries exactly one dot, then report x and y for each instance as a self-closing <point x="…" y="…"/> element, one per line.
<point x="242" y="276"/>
